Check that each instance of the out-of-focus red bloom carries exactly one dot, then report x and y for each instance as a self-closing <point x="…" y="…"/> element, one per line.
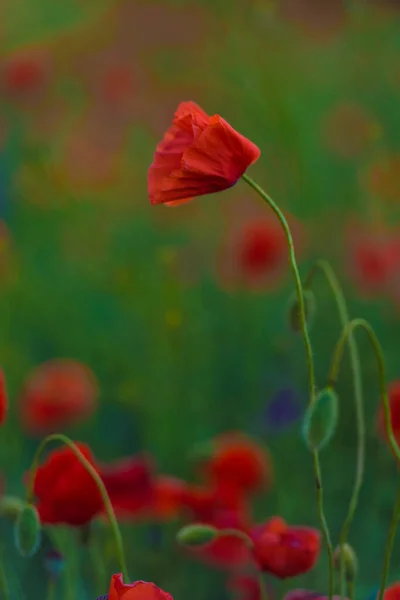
<point x="116" y="85"/>
<point x="394" y="404"/>
<point x="167" y="497"/>
<point x="129" y="483"/>
<point x="382" y="179"/>
<point x="65" y="492"/>
<point x="374" y="259"/>
<point x="224" y="509"/>
<point x="308" y="595"/>
<point x="392" y="592"/>
<point x="198" y="155"/>
<point x="285" y="551"/>
<point x="237" y="462"/>
<point x="319" y="21"/>
<point x="139" y="590"/>
<point x="57" y="394"/>
<point x="245" y="587"/>
<point x="3" y="398"/>
<point x="253" y="251"/>
<point x="24" y="73"/>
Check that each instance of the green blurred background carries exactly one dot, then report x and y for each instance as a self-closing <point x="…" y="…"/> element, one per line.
<point x="90" y="271"/>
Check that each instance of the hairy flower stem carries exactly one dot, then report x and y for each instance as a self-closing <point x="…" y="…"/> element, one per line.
<point x="59" y="437"/>
<point x="310" y="364"/>
<point x="333" y="375"/>
<point x="325" y="268"/>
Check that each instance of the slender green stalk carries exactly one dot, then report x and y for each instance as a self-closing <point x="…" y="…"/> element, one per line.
<point x="59" y="437"/>
<point x="310" y="364"/>
<point x="335" y="366"/>
<point x="4" y="593"/>
<point x="325" y="268"/>
<point x="51" y="589"/>
<point x="334" y="370"/>
<point x="351" y="590"/>
<point x="389" y="545"/>
<point x="299" y="288"/>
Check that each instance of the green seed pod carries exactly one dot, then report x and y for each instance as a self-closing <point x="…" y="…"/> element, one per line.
<point x="27" y="531"/>
<point x="350" y="561"/>
<point x="11" y="507"/>
<point x="321" y="419"/>
<point x="293" y="310"/>
<point x="197" y="535"/>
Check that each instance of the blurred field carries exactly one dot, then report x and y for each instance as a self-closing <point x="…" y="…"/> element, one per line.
<point x="143" y="295"/>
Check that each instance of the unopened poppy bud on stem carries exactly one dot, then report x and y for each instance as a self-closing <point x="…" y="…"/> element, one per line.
<point x="350" y="561"/>
<point x="293" y="310"/>
<point x="197" y="535"/>
<point x="28" y="531"/>
<point x="321" y="419"/>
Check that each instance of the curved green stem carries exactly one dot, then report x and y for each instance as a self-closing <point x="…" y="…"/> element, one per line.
<point x="297" y="280"/>
<point x="335" y="366"/>
<point x="59" y="437"/>
<point x="389" y="546"/>
<point x="310" y="363"/>
<point x="334" y="370"/>
<point x="325" y="268"/>
<point x="4" y="593"/>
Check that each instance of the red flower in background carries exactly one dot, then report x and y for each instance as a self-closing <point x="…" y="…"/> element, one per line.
<point x="24" y="73"/>
<point x="247" y="587"/>
<point x="392" y="592"/>
<point x="56" y="395"/>
<point x="3" y="398"/>
<point x="374" y="258"/>
<point x="236" y="462"/>
<point x="254" y="252"/>
<point x="198" y="155"/>
<point x="308" y="595"/>
<point x="285" y="551"/>
<point x="139" y="590"/>
<point x="65" y="492"/>
<point x="394" y="405"/>
<point x="129" y="483"/>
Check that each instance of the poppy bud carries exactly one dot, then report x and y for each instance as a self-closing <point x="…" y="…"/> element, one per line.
<point x="350" y="561"/>
<point x="197" y="535"/>
<point x="11" y="507"/>
<point x="27" y="531"/>
<point x="321" y="419"/>
<point x="293" y="310"/>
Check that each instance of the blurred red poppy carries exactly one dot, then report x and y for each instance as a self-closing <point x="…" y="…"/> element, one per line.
<point x="198" y="155"/>
<point x="223" y="508"/>
<point x="285" y="551"/>
<point x="382" y="179"/>
<point x="65" y="492"/>
<point x="3" y="398"/>
<point x="236" y="462"/>
<point x="392" y="592"/>
<point x="24" y="73"/>
<point x="253" y="251"/>
<point x="129" y="483"/>
<point x="308" y="595"/>
<point x="373" y="258"/>
<point x="394" y="404"/>
<point x="139" y="590"/>
<point x="57" y="394"/>
<point x="246" y="587"/>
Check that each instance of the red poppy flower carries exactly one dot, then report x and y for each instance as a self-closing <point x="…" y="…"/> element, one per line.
<point x="394" y="404"/>
<point x="237" y="462"/>
<point x="392" y="592"/>
<point x="285" y="551"/>
<point x="3" y="398"/>
<point x="56" y="395"/>
<point x="224" y="509"/>
<point x="129" y="483"/>
<point x="24" y="73"/>
<point x="246" y="587"/>
<point x="374" y="259"/>
<point x="65" y="492"/>
<point x="198" y="155"/>
<point x="139" y="590"/>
